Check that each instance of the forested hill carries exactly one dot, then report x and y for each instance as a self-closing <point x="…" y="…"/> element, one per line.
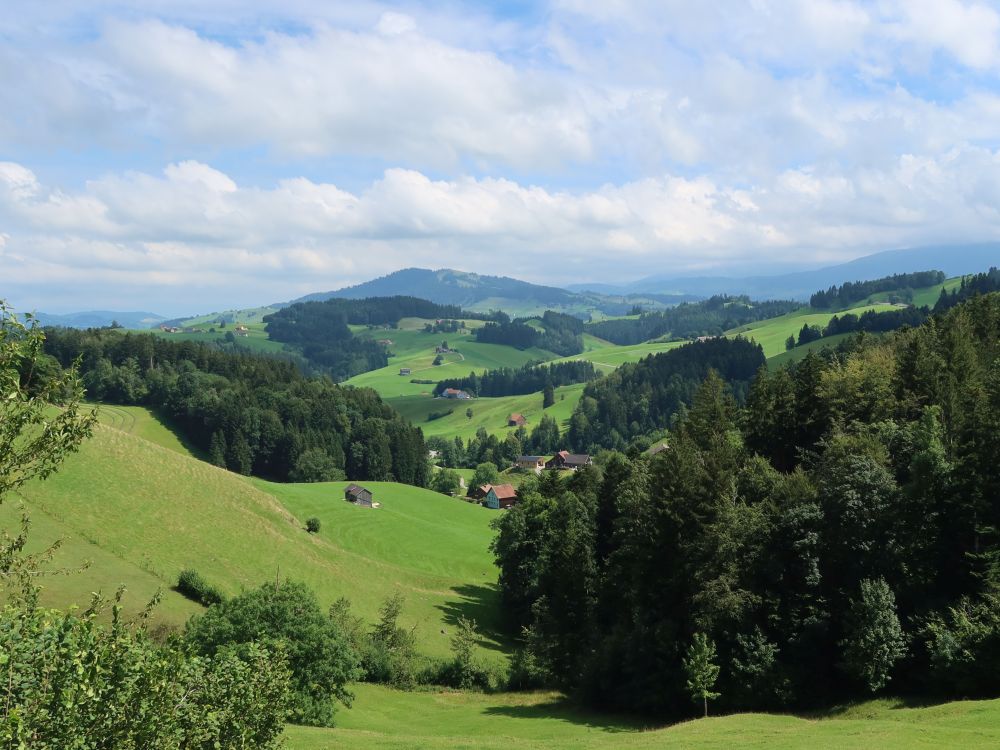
<point x="642" y="398"/>
<point x="711" y="317"/>
<point x="320" y="329"/>
<point x="250" y="413"/>
<point x="834" y="538"/>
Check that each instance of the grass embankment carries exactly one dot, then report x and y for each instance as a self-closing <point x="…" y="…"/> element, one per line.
<point x="142" y="513"/>
<point x="383" y="718"/>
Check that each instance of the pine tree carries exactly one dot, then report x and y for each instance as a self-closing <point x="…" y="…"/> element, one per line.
<point x="875" y="639"/>
<point x="548" y="396"/>
<point x="700" y="670"/>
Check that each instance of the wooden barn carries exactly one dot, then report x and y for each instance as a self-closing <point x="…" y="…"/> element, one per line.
<point x="355" y="493"/>
<point x="531" y="463"/>
<point x="516" y="420"/>
<point x="569" y="461"/>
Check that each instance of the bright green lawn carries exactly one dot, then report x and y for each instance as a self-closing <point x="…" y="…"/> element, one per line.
<point x="799" y="352"/>
<point x="143" y="512"/>
<point x="771" y="334"/>
<point x="930" y="295"/>
<point x="383" y="718"/>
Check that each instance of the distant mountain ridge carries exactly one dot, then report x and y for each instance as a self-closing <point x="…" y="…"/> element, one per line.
<point x="478" y="292"/>
<point x="101" y="319"/>
<point x="953" y="260"/>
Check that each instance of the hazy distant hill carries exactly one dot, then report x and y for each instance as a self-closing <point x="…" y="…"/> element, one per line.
<point x="477" y="292"/>
<point x="101" y="319"/>
<point x="954" y="260"/>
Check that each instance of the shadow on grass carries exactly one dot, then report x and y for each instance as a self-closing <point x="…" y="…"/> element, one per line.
<point x="481" y="604"/>
<point x="872" y="708"/>
<point x="566" y="710"/>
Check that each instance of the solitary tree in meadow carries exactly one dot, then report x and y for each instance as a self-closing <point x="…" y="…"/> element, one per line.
<point x="701" y="670"/>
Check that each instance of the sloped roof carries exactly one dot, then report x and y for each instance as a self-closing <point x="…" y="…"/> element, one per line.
<point x="504" y="491"/>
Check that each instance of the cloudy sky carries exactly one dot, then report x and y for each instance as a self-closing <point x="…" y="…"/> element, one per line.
<point x="190" y="155"/>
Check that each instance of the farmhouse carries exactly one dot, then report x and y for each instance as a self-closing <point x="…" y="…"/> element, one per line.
<point x="354" y="493"/>
<point x="570" y="461"/>
<point x="501" y="497"/>
<point x="385" y="342"/>
<point x="242" y="331"/>
<point x="531" y="463"/>
<point x="404" y="370"/>
<point x="455" y="393"/>
<point x="478" y="493"/>
<point x="516" y="420"/>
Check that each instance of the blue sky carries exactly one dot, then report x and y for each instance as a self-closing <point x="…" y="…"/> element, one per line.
<point x="183" y="156"/>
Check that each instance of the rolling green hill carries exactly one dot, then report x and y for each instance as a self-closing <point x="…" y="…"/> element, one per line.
<point x="142" y="512"/>
<point x="771" y="333"/>
<point x="383" y="718"/>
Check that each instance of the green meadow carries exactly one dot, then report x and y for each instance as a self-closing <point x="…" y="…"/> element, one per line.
<point x="487" y="413"/>
<point x="771" y="334"/>
<point x="387" y="719"/>
<point x="140" y="512"/>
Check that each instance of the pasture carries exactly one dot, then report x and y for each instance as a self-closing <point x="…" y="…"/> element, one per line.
<point x="772" y="333"/>
<point x="141" y="513"/>
<point x="383" y="718"/>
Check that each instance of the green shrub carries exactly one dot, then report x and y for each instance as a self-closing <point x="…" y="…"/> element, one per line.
<point x="313" y="525"/>
<point x="71" y="682"/>
<point x="197" y="589"/>
<point x="320" y="655"/>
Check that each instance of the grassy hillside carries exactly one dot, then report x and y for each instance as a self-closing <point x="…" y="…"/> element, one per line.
<point x="383" y="718"/>
<point x="413" y="348"/>
<point x="141" y="422"/>
<point x="142" y="513"/>
<point x="255" y="340"/>
<point x="771" y="334"/>
<point x="488" y="413"/>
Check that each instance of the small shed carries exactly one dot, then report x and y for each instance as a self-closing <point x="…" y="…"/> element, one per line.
<point x="501" y="496"/>
<point x="404" y="370"/>
<point x="516" y="419"/>
<point x="478" y="493"/>
<point x="355" y="493"/>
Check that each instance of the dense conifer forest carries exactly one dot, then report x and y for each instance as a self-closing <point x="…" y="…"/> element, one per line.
<point x="833" y="537"/>
<point x="250" y="413"/>
<point x="643" y="397"/>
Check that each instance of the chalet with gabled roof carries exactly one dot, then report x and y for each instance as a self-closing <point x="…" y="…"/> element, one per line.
<point x="455" y="393"/>
<point x="501" y="496"/>
<point x="569" y="461"/>
<point x="530" y="463"/>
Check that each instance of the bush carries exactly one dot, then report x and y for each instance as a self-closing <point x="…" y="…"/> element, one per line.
<point x="197" y="589"/>
<point x="72" y="682"/>
<point x="320" y="655"/>
<point x="313" y="525"/>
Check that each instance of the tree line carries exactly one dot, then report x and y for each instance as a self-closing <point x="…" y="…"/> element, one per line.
<point x="561" y="334"/>
<point x="834" y="537"/>
<point x="530" y="378"/>
<point x="248" y="412"/>
<point x="850" y="292"/>
<point x="711" y="317"/>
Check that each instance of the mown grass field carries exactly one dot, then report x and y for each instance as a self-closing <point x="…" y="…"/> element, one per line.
<point x="383" y="719"/>
<point x="142" y="512"/>
<point x="144" y="423"/>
